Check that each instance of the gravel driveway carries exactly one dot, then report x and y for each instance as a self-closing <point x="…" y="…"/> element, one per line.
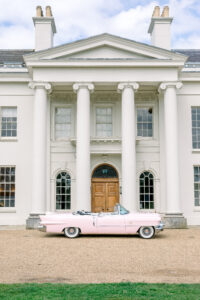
<point x="32" y="256"/>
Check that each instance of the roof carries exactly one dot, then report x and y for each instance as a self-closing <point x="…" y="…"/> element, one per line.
<point x="13" y="57"/>
<point x="193" y="54"/>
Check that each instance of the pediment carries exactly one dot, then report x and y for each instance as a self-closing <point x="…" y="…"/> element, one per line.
<point x="103" y="52"/>
<point x="104" y="47"/>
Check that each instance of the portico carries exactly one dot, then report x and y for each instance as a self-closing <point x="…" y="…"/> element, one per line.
<point x="128" y="150"/>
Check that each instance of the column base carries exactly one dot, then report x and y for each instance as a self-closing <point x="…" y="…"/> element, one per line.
<point x="33" y="221"/>
<point x="176" y="221"/>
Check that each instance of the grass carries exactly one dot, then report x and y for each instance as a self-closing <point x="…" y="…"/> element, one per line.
<point x="116" y="291"/>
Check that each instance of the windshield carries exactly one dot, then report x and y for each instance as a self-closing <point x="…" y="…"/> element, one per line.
<point x="123" y="211"/>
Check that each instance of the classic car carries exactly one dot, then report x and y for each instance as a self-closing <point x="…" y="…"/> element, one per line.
<point x="121" y="221"/>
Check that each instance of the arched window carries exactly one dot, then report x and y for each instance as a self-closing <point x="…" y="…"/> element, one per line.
<point x="105" y="171"/>
<point x="63" y="191"/>
<point x="146" y="190"/>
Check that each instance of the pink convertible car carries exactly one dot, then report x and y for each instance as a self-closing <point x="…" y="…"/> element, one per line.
<point x="121" y="221"/>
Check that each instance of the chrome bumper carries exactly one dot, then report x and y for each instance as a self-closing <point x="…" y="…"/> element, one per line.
<point x="42" y="228"/>
<point x="159" y="227"/>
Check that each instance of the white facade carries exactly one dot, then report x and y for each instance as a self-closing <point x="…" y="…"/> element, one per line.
<point x="104" y="71"/>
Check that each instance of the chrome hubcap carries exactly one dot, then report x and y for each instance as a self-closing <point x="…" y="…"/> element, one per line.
<point x="146" y="231"/>
<point x="71" y="230"/>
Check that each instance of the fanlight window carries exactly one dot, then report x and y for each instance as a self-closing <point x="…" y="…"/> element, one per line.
<point x="146" y="191"/>
<point x="105" y="171"/>
<point x="63" y="191"/>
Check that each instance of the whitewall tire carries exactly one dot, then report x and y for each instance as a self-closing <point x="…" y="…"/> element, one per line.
<point x="146" y="232"/>
<point x="71" y="232"/>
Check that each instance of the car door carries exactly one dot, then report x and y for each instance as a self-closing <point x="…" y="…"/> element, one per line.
<point x="110" y="223"/>
<point x="132" y="223"/>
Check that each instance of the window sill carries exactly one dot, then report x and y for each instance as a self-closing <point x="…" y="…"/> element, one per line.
<point x="7" y="210"/>
<point x="143" y="138"/>
<point x="197" y="209"/>
<point x="100" y="140"/>
<point x="64" y="211"/>
<point x="7" y="139"/>
<point x="195" y="150"/>
<point x="146" y="211"/>
<point x="68" y="139"/>
<point x="105" y="139"/>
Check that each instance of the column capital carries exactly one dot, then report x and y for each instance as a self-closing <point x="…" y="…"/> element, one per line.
<point x="40" y="85"/>
<point x="123" y="85"/>
<point x="79" y="85"/>
<point x="174" y="84"/>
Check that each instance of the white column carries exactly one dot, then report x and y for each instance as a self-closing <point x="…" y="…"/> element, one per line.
<point x="39" y="147"/>
<point x="128" y="145"/>
<point x="83" y="177"/>
<point x="171" y="146"/>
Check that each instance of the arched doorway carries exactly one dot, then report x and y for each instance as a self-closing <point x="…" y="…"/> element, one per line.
<point x="105" y="188"/>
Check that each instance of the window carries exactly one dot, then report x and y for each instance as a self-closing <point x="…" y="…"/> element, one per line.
<point x="197" y="186"/>
<point x="7" y="186"/>
<point x="62" y="123"/>
<point x="63" y="191"/>
<point x="196" y="127"/>
<point x="145" y="122"/>
<point x="146" y="191"/>
<point x="105" y="171"/>
<point x="8" y="122"/>
<point x="104" y="121"/>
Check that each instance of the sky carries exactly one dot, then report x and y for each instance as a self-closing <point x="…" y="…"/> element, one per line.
<point x="78" y="19"/>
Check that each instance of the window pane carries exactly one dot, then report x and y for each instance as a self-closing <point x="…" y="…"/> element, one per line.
<point x="7" y="187"/>
<point x="146" y="191"/>
<point x="197" y="185"/>
<point x="145" y="122"/>
<point x="104" y="122"/>
<point x="195" y="112"/>
<point x="62" y="123"/>
<point x="8" y="121"/>
<point x="63" y="191"/>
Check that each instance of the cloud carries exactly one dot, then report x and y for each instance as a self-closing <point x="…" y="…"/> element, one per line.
<point x="77" y="19"/>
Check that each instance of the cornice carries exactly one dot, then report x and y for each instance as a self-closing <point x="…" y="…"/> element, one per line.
<point x="45" y="20"/>
<point x="159" y="20"/>
<point x="147" y="63"/>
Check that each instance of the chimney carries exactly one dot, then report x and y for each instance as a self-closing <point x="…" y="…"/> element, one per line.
<point x="160" y="28"/>
<point x="44" y="28"/>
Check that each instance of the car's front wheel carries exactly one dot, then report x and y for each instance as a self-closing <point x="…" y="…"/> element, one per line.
<point x="146" y="232"/>
<point x="71" y="232"/>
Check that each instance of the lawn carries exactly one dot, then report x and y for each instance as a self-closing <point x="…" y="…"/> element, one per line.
<point x="115" y="291"/>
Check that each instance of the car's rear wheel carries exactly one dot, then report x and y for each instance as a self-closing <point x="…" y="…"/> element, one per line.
<point x="71" y="232"/>
<point x="146" y="232"/>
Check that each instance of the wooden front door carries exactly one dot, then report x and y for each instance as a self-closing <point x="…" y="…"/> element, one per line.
<point x="105" y="194"/>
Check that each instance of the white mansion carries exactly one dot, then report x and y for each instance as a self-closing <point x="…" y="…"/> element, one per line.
<point x="98" y="121"/>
